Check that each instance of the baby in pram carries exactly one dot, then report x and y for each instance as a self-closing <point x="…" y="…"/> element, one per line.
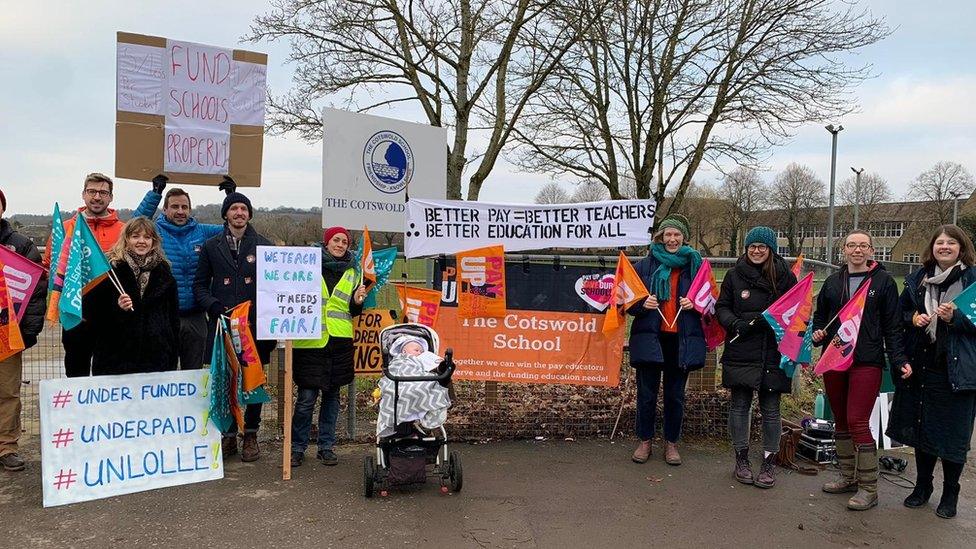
<point x="419" y="404"/>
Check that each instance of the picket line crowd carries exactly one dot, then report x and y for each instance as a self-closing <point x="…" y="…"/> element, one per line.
<point x="927" y="341"/>
<point x="171" y="280"/>
<point x="174" y="277"/>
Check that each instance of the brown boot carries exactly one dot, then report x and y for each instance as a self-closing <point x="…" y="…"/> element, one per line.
<point x="867" y="478"/>
<point x="251" y="450"/>
<point x="228" y="446"/>
<point x="743" y="469"/>
<point x="671" y="455"/>
<point x="847" y="482"/>
<point x="642" y="452"/>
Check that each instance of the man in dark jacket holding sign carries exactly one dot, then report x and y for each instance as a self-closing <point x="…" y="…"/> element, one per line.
<point x="11" y="369"/>
<point x="226" y="277"/>
<point x="853" y="392"/>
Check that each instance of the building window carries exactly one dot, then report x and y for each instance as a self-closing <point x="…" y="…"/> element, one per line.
<point x="783" y="250"/>
<point x="882" y="253"/>
<point x="912" y="258"/>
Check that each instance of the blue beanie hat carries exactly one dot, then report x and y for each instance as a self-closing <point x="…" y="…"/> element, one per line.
<point x="234" y="198"/>
<point x="762" y="235"/>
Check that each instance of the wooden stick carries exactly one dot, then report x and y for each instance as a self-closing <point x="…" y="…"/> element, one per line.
<point x="114" y="279"/>
<point x="623" y="397"/>
<point x="286" y="446"/>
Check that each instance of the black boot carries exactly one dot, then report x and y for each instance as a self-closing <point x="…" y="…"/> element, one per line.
<point x="950" y="489"/>
<point x="925" y="464"/>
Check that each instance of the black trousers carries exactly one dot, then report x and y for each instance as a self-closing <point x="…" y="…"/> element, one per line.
<point x="79" y="346"/>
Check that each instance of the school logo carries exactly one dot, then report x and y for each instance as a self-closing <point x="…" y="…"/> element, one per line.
<point x="388" y="162"/>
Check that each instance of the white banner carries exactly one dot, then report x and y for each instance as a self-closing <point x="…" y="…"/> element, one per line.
<point x="370" y="164"/>
<point x="106" y="436"/>
<point x="289" y="292"/>
<point x="450" y="226"/>
<point x="200" y="90"/>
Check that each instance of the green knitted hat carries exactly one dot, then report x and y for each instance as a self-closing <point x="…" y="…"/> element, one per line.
<point x="762" y="235"/>
<point x="676" y="221"/>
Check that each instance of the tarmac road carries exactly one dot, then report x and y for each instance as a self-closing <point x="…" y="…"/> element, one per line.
<point x="516" y="494"/>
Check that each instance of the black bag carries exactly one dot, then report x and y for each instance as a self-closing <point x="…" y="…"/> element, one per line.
<point x="408" y="465"/>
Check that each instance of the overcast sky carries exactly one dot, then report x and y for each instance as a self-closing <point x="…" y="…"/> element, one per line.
<point x="57" y="101"/>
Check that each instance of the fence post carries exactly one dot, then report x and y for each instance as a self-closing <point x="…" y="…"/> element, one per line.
<point x="351" y="407"/>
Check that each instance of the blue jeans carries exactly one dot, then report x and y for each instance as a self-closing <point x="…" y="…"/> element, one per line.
<point x="648" y="382"/>
<point x="301" y="423"/>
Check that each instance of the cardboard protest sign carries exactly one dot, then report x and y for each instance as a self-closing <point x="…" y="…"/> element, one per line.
<point x="366" y="339"/>
<point x="289" y="292"/>
<point x="22" y="276"/>
<point x="370" y="164"/>
<point x="550" y="334"/>
<point x="191" y="111"/>
<point x="107" y="436"/>
<point x="450" y="226"/>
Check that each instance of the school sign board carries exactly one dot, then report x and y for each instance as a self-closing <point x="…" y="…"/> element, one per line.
<point x="289" y="292"/>
<point x="107" y="436"/>
<point x="371" y="164"/>
<point x="191" y="111"/>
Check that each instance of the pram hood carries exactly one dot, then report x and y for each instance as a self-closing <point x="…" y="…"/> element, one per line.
<point x="389" y="334"/>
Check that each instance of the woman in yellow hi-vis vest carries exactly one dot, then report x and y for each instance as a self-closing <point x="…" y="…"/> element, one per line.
<point x="324" y="365"/>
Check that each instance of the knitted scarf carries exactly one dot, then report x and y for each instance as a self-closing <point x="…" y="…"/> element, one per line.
<point x="680" y="259"/>
<point x="335" y="264"/>
<point x="941" y="287"/>
<point x="142" y="267"/>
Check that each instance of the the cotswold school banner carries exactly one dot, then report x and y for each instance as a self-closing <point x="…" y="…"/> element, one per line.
<point x="449" y="226"/>
<point x="551" y="332"/>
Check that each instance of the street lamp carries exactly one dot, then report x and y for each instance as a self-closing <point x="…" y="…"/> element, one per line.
<point x="955" y="208"/>
<point x="857" y="192"/>
<point x="833" y="176"/>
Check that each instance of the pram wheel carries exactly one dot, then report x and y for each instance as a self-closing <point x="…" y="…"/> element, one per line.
<point x="454" y="472"/>
<point x="369" y="476"/>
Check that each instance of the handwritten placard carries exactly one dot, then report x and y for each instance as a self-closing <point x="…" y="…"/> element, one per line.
<point x="368" y="356"/>
<point x="289" y="292"/>
<point x="112" y="435"/>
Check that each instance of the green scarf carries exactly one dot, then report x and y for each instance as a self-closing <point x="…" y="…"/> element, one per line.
<point x="661" y="278"/>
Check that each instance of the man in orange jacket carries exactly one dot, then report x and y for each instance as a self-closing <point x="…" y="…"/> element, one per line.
<point x="105" y="225"/>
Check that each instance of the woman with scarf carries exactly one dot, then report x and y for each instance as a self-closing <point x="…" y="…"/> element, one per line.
<point x="324" y="365"/>
<point x="666" y="337"/>
<point x="935" y="399"/>
<point x="136" y="331"/>
<point x="750" y="361"/>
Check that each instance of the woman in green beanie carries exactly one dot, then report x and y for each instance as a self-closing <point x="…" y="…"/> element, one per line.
<point x="750" y="360"/>
<point x="666" y="337"/>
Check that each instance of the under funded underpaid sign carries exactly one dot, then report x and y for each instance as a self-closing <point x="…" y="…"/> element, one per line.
<point x="289" y="292"/>
<point x="112" y="435"/>
<point x="450" y="226"/>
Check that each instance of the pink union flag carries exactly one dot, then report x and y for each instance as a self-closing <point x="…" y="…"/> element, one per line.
<point x="703" y="293"/>
<point x="839" y="353"/>
<point x="22" y="276"/>
<point x="789" y="317"/>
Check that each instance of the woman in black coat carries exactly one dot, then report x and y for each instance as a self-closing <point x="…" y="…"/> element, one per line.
<point x="136" y="331"/>
<point x="750" y="361"/>
<point x="935" y="401"/>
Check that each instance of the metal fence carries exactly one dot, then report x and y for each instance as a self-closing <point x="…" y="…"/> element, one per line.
<point x="482" y="410"/>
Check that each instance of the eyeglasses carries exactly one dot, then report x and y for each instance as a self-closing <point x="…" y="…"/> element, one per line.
<point x="758" y="247"/>
<point x="857" y="246"/>
<point x="98" y="192"/>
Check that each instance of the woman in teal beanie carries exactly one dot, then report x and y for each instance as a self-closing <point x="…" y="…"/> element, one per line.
<point x="664" y="343"/>
<point x="750" y="360"/>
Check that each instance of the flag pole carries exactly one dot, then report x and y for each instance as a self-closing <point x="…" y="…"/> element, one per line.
<point x="286" y="446"/>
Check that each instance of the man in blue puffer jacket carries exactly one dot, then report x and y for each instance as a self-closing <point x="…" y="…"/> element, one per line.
<point x="183" y="239"/>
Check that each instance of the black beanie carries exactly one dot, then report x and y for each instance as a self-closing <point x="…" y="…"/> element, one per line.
<point x="234" y="198"/>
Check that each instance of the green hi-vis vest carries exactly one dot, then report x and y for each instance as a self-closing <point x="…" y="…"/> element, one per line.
<point x="335" y="311"/>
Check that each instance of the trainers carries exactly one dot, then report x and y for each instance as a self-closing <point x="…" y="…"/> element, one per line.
<point x="767" y="473"/>
<point x="642" y="453"/>
<point x="743" y="469"/>
<point x="228" y="446"/>
<point x="12" y="462"/>
<point x="671" y="455"/>
<point x="327" y="457"/>
<point x="251" y="451"/>
<point x="297" y="458"/>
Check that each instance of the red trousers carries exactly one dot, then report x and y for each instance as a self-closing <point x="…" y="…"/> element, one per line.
<point x="852" y="396"/>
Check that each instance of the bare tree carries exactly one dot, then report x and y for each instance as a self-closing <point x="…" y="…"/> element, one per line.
<point x="464" y="62"/>
<point x="590" y="191"/>
<point x="654" y="88"/>
<point x="939" y="185"/>
<point x="796" y="192"/>
<point x="552" y="193"/>
<point x="704" y="206"/>
<point x="743" y="193"/>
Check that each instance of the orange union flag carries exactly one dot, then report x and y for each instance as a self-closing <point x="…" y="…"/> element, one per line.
<point x="419" y="305"/>
<point x="628" y="288"/>
<point x="481" y="282"/>
<point x="366" y="263"/>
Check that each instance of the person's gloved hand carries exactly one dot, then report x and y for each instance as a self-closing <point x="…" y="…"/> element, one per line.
<point x="159" y="183"/>
<point x="29" y="341"/>
<point x="215" y="310"/>
<point x="742" y="327"/>
<point x="227" y="185"/>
